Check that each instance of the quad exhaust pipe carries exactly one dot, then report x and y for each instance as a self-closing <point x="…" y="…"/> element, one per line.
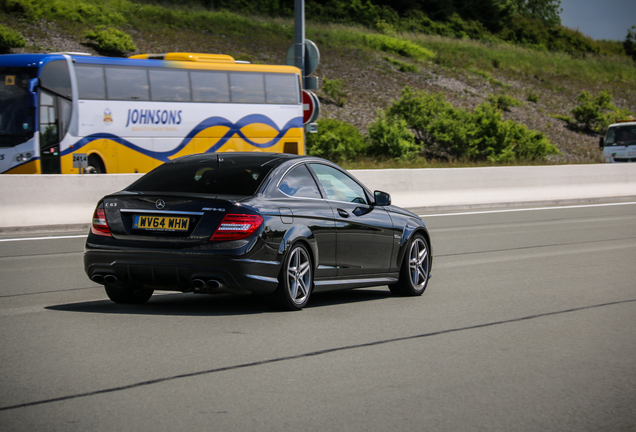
<point x="104" y="279"/>
<point x="200" y="284"/>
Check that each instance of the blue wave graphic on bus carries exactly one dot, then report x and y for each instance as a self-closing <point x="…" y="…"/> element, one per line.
<point x="233" y="129"/>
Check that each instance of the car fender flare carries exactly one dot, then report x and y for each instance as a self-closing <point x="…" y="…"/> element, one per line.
<point x="413" y="226"/>
<point x="299" y="233"/>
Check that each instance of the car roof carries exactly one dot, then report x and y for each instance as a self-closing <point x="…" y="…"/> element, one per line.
<point x="249" y="158"/>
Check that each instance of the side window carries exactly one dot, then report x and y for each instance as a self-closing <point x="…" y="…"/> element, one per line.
<point x="299" y="183"/>
<point x="169" y="85"/>
<point x="90" y="81"/>
<point x="338" y="186"/>
<point x="247" y="87"/>
<point x="210" y="86"/>
<point x="281" y="88"/>
<point x="126" y="83"/>
<point x="49" y="132"/>
<point x="55" y="77"/>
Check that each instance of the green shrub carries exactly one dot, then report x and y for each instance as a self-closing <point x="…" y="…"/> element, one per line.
<point x="491" y="138"/>
<point x="569" y="120"/>
<point x="502" y="101"/>
<point x="419" y="110"/>
<point x="10" y="38"/>
<point x="23" y="8"/>
<point x="395" y="45"/>
<point x="531" y="96"/>
<point x="333" y="89"/>
<point x="111" y="41"/>
<point x="402" y="66"/>
<point x="592" y="111"/>
<point x="336" y="140"/>
<point x="385" y="28"/>
<point x="445" y="132"/>
<point x="390" y="138"/>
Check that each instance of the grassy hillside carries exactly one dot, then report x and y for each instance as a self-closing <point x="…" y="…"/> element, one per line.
<point x="366" y="69"/>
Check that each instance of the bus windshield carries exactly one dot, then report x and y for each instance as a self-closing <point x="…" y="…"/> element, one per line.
<point x="16" y="118"/>
<point x="621" y="135"/>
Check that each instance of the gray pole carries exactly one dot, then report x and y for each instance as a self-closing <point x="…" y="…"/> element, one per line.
<point x="299" y="35"/>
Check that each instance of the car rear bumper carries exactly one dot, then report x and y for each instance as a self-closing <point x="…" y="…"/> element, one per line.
<point x="186" y="272"/>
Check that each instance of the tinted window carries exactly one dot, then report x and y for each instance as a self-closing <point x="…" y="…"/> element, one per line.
<point x="16" y="119"/>
<point x="281" y="88"/>
<point x="338" y="186"/>
<point x="247" y="87"/>
<point x="299" y="183"/>
<point x="226" y="178"/>
<point x="210" y="86"/>
<point x="169" y="85"/>
<point x="127" y="83"/>
<point x="55" y="77"/>
<point x="90" y="82"/>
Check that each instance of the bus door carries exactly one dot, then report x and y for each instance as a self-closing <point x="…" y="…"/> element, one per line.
<point x="49" y="134"/>
<point x="54" y="114"/>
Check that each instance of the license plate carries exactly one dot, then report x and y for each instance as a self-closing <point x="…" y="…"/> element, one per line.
<point x="161" y="223"/>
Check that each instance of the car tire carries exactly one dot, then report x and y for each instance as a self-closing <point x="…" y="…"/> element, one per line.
<point x="128" y="296"/>
<point x="295" y="280"/>
<point x="416" y="268"/>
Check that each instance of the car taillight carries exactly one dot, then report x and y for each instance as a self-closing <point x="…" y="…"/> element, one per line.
<point x="100" y="224"/>
<point x="236" y="227"/>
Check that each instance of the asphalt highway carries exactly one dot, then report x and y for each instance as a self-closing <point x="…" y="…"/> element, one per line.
<point x="528" y="324"/>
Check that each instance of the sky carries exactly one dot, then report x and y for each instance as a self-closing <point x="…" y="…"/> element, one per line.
<point x="600" y="19"/>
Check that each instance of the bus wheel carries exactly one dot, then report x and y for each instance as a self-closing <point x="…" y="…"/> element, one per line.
<point x="95" y="165"/>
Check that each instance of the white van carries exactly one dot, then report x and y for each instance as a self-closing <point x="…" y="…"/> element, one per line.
<point x="619" y="143"/>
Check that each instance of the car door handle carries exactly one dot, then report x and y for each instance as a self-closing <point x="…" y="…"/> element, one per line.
<point x="343" y="213"/>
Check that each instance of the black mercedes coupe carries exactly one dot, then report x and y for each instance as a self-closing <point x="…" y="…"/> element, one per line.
<point x="276" y="224"/>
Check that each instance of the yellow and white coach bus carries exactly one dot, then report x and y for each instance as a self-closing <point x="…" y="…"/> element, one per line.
<point x="131" y="114"/>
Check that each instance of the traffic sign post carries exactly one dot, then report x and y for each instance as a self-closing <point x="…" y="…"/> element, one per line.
<point x="304" y="54"/>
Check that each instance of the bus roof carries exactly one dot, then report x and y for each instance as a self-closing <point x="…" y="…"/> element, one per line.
<point x="24" y="60"/>
<point x="175" y="60"/>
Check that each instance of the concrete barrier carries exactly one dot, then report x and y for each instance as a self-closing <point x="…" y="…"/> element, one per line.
<point x="441" y="188"/>
<point x="46" y="200"/>
<point x="54" y="200"/>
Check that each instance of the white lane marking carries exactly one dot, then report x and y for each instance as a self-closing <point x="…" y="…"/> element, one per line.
<point x="43" y="238"/>
<point x="526" y="209"/>
<point x="451" y="261"/>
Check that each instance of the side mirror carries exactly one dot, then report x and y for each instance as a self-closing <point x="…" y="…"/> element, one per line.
<point x="601" y="143"/>
<point x="382" y="198"/>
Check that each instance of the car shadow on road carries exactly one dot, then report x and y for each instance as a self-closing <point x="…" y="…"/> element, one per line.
<point x="217" y="305"/>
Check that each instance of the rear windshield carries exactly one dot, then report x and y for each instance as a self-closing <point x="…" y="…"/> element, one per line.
<point x="226" y="178"/>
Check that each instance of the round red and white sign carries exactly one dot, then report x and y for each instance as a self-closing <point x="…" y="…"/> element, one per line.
<point x="308" y="106"/>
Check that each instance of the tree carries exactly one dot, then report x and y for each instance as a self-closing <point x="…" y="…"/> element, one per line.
<point x="548" y="11"/>
<point x="630" y="43"/>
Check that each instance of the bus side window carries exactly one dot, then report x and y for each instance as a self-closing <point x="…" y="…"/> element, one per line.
<point x="281" y="88"/>
<point x="49" y="135"/>
<point x="169" y="85"/>
<point x="126" y="83"/>
<point x="90" y="81"/>
<point x="56" y="77"/>
<point x="247" y="87"/>
<point x="210" y="86"/>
